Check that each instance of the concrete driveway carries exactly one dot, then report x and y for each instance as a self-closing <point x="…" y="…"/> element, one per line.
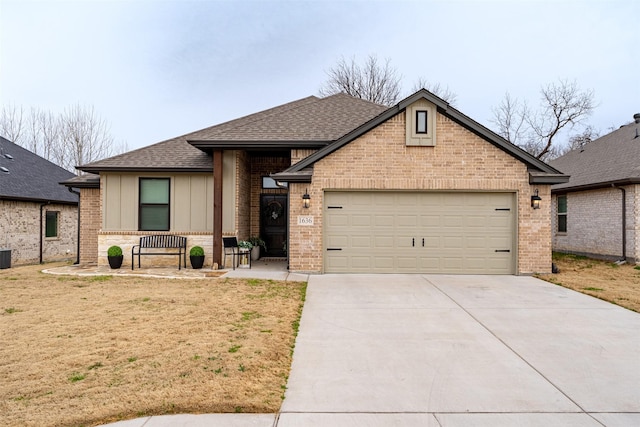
<point x="435" y="350"/>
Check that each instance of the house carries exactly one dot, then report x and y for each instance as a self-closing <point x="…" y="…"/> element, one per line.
<point x="597" y="213"/>
<point x="38" y="217"/>
<point x="337" y="184"/>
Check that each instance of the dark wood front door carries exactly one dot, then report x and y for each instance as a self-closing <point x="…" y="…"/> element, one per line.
<point x="273" y="223"/>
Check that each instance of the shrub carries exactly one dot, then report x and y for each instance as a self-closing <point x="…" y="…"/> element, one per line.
<point x="114" y="251"/>
<point x="245" y="244"/>
<point x="196" y="251"/>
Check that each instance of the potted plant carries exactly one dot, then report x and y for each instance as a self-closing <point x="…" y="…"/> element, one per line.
<point x="257" y="242"/>
<point x="196" y="256"/>
<point x="245" y="247"/>
<point x="114" y="255"/>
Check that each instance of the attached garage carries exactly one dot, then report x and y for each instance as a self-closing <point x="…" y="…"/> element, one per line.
<point x="419" y="232"/>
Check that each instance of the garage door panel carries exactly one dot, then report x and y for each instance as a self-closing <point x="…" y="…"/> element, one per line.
<point x="360" y="220"/>
<point x="420" y="232"/>
<point x="360" y="242"/>
<point x="384" y="242"/>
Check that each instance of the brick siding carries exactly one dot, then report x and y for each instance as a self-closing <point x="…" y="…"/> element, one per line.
<point x="594" y="223"/>
<point x="380" y="160"/>
<point x="20" y="227"/>
<point x="90" y="224"/>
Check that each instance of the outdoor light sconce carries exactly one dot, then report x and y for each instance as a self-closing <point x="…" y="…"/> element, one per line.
<point x="535" y="200"/>
<point x="306" y="200"/>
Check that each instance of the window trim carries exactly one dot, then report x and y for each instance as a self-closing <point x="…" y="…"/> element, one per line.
<point x="141" y="205"/>
<point x="561" y="214"/>
<point x="56" y="214"/>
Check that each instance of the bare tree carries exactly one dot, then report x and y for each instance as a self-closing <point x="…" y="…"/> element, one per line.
<point x="578" y="141"/>
<point x="437" y="89"/>
<point x="12" y="122"/>
<point x="371" y="81"/>
<point x="75" y="137"/>
<point x="563" y="106"/>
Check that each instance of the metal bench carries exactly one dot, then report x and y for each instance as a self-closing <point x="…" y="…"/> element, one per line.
<point x="161" y="241"/>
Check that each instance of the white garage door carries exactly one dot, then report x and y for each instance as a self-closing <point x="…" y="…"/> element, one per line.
<point x="404" y="232"/>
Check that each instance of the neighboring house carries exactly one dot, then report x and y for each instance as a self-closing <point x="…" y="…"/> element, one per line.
<point x="597" y="213"/>
<point x="337" y="184"/>
<point x="38" y="217"/>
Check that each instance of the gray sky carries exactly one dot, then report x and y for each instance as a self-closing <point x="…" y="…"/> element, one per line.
<point x="158" y="69"/>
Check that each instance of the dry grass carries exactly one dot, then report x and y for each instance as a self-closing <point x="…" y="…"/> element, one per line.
<point x="81" y="351"/>
<point x="619" y="284"/>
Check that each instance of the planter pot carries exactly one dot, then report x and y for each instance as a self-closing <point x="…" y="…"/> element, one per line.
<point x="115" y="261"/>
<point x="244" y="261"/>
<point x="196" y="261"/>
<point x="255" y="253"/>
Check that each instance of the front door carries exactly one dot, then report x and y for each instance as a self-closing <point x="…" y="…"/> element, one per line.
<point x="273" y="223"/>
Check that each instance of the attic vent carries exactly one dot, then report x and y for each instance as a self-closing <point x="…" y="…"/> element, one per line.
<point x="8" y="156"/>
<point x="3" y="169"/>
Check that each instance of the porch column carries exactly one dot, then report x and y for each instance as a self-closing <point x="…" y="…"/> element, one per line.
<point x="217" y="207"/>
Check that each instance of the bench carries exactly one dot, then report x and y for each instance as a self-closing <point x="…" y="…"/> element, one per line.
<point x="161" y="241"/>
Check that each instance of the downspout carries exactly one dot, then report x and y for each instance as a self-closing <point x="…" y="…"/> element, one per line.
<point x="42" y="205"/>
<point x="71" y="190"/>
<point x="624" y="223"/>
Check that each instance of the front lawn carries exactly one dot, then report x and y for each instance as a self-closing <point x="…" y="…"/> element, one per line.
<point x="619" y="284"/>
<point x="82" y="351"/>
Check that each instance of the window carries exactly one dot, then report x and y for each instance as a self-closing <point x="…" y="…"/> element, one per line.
<point x="421" y="121"/>
<point x="562" y="214"/>
<point x="154" y="204"/>
<point x="51" y="224"/>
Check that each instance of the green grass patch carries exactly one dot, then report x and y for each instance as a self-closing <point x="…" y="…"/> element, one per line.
<point x="593" y="289"/>
<point x="234" y="348"/>
<point x="77" y="376"/>
<point x="95" y="366"/>
<point x="564" y="256"/>
<point x="12" y="310"/>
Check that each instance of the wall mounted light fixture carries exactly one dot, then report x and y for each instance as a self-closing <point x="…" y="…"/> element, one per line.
<point x="306" y="199"/>
<point x="535" y="200"/>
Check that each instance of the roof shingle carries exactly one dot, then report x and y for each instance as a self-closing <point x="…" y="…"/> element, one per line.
<point x="613" y="158"/>
<point x="31" y="177"/>
<point x="309" y="119"/>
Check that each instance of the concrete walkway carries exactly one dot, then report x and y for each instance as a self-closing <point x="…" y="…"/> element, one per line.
<point x="447" y="351"/>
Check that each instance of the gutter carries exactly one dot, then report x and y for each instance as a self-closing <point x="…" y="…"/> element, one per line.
<point x="71" y="190"/>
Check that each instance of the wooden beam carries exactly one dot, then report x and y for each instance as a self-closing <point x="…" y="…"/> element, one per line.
<point x="217" y="207"/>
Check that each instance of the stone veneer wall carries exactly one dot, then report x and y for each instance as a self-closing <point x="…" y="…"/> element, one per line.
<point x="461" y="161"/>
<point x="594" y="223"/>
<point x="126" y="240"/>
<point x="20" y="226"/>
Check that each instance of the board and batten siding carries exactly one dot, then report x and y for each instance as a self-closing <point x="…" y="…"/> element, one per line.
<point x="191" y="201"/>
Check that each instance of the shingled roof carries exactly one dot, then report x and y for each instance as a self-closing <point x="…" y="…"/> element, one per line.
<point x="311" y="119"/>
<point x="611" y="159"/>
<point x="309" y="122"/>
<point x="27" y="176"/>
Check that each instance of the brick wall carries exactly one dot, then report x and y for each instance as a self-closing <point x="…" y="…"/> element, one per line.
<point x="243" y="195"/>
<point x="90" y="224"/>
<point x="20" y="232"/>
<point x="263" y="166"/>
<point x="460" y="160"/>
<point x="594" y="223"/>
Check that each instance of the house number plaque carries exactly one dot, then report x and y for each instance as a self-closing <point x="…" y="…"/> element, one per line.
<point x="305" y="220"/>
